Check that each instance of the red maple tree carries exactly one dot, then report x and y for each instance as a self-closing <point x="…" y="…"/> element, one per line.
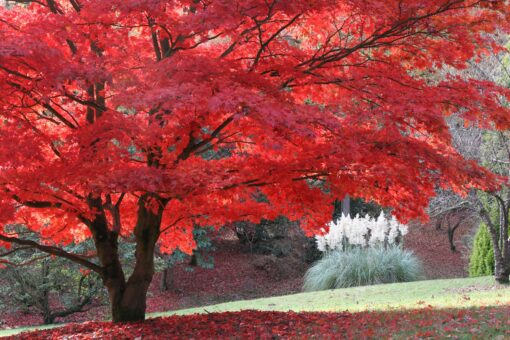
<point x="139" y="119"/>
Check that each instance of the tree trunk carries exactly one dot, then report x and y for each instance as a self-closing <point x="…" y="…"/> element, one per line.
<point x="129" y="299"/>
<point x="48" y="319"/>
<point x="193" y="261"/>
<point x="166" y="280"/>
<point x="502" y="273"/>
<point x="451" y="233"/>
<point x="501" y="256"/>
<point x="129" y="304"/>
<point x="45" y="294"/>
<point x="501" y="270"/>
<point x="346" y="206"/>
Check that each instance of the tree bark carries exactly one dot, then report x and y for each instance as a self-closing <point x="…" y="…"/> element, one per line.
<point x="501" y="260"/>
<point x="106" y="243"/>
<point x="128" y="299"/>
<point x="502" y="276"/>
<point x="128" y="302"/>
<point x="451" y="233"/>
<point x="346" y="206"/>
<point x="501" y="272"/>
<point x="165" y="280"/>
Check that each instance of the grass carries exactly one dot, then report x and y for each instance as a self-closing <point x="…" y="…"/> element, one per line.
<point x="449" y="293"/>
<point x="363" y="266"/>
<point x="439" y="294"/>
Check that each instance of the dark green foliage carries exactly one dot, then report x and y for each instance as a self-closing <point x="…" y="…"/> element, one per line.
<point x="253" y="233"/>
<point x="312" y="252"/>
<point x="363" y="208"/>
<point x="481" y="261"/>
<point x="202" y="254"/>
<point x="280" y="237"/>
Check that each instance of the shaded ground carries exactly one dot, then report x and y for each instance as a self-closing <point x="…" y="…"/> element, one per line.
<point x="432" y="247"/>
<point x="238" y="275"/>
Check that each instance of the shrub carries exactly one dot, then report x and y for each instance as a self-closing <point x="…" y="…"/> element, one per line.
<point x="481" y="261"/>
<point x="52" y="288"/>
<point x="358" y="266"/>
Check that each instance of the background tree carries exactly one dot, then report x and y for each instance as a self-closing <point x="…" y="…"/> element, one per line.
<point x="109" y="108"/>
<point x="490" y="208"/>
<point x="481" y="261"/>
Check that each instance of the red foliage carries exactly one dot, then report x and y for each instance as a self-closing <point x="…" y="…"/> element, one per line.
<point x="217" y="76"/>
<point x="421" y="323"/>
<point x="149" y="117"/>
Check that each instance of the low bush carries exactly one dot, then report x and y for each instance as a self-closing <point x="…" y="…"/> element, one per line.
<point x="362" y="266"/>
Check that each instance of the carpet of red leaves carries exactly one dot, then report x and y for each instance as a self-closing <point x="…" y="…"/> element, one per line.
<point x="422" y="323"/>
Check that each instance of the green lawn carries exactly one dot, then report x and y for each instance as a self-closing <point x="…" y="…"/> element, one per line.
<point x="440" y="294"/>
<point x="450" y="293"/>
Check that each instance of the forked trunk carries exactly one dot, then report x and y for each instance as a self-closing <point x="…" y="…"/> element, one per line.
<point x="131" y="306"/>
<point x="128" y="299"/>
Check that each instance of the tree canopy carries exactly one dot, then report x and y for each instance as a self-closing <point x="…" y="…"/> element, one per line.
<point x="141" y="119"/>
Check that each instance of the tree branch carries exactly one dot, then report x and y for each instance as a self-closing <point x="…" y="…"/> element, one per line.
<point x="36" y="204"/>
<point x="54" y="251"/>
<point x="14" y="250"/>
<point x="192" y="146"/>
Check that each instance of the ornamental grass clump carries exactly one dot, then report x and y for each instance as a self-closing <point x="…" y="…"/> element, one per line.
<point x="362" y="251"/>
<point x="361" y="267"/>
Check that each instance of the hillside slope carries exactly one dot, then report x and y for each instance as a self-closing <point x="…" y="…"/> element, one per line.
<point x="454" y="305"/>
